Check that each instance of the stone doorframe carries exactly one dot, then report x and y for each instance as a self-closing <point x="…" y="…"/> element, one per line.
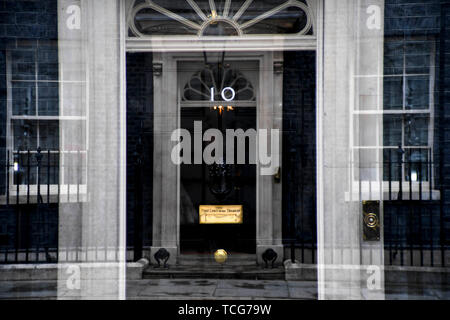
<point x="166" y="175"/>
<point x="269" y="49"/>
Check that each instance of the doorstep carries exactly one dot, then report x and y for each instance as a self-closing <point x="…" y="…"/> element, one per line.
<point x="193" y="266"/>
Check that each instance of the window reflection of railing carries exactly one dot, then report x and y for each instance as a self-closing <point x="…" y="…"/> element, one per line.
<point x="415" y="233"/>
<point x="38" y="176"/>
<point x="408" y="173"/>
<point x="414" y="220"/>
<point x="393" y="173"/>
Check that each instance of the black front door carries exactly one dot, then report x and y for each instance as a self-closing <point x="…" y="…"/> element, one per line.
<point x="198" y="187"/>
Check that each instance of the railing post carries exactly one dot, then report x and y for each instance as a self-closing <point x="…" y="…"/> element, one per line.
<point x="420" y="176"/>
<point x="16" y="175"/>
<point x="138" y="245"/>
<point x="390" y="174"/>
<point x="16" y="209"/>
<point x="292" y="206"/>
<point x="28" y="175"/>
<point x="38" y="180"/>
<point x="8" y="167"/>
<point x="48" y="176"/>
<point x="400" y="172"/>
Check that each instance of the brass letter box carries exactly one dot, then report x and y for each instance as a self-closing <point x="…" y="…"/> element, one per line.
<point x="227" y="214"/>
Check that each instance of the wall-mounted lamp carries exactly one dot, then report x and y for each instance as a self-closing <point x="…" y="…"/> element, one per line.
<point x="213" y="14"/>
<point x="16" y="163"/>
<point x="414" y="176"/>
<point x="222" y="108"/>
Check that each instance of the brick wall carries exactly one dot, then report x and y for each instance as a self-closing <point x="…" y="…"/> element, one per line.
<point x="412" y="224"/>
<point x="28" y="29"/>
<point x="444" y="100"/>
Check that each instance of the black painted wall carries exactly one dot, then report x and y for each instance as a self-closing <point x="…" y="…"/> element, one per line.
<point x="139" y="147"/>
<point x="299" y="147"/>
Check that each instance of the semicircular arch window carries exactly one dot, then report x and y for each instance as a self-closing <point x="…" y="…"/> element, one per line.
<point x="219" y="17"/>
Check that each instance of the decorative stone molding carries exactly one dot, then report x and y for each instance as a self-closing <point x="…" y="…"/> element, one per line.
<point x="278" y="67"/>
<point x="157" y="69"/>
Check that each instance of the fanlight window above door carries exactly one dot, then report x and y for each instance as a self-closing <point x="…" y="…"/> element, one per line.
<point x="219" y="18"/>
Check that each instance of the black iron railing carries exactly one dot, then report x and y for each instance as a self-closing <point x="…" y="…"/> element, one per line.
<point x="35" y="183"/>
<point x="415" y="220"/>
<point x="415" y="227"/>
<point x="415" y="232"/>
<point x="38" y="176"/>
<point x="409" y="174"/>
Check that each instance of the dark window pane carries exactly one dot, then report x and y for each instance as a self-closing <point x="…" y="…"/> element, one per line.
<point x="417" y="57"/>
<point x="416" y="166"/>
<point x="391" y="164"/>
<point x="25" y="134"/>
<point x="23" y="65"/>
<point x="26" y="168"/>
<point x="151" y="22"/>
<point x="234" y="7"/>
<point x="49" y="135"/>
<point x="416" y="130"/>
<point x="48" y="71"/>
<point x="48" y="99"/>
<point x="47" y="63"/>
<point x="24" y="98"/>
<point x="393" y="57"/>
<point x="392" y="133"/>
<point x="184" y="9"/>
<point x="289" y="20"/>
<point x="256" y="8"/>
<point x="220" y="28"/>
<point x="393" y="93"/>
<point x="417" y="92"/>
<point x="417" y="63"/>
<point x="49" y="169"/>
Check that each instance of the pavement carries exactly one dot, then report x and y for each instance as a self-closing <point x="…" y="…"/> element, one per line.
<point x="221" y="289"/>
<point x="216" y="289"/>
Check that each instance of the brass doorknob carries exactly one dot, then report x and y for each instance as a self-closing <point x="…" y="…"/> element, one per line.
<point x="220" y="256"/>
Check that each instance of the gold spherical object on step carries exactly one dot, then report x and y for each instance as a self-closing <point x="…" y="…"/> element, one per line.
<point x="220" y="256"/>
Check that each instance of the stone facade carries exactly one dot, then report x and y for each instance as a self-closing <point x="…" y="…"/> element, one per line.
<point x="31" y="28"/>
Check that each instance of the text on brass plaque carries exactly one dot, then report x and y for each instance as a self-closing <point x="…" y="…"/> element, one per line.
<point x="226" y="214"/>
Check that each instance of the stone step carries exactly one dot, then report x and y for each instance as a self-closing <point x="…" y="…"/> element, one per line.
<point x="214" y="271"/>
<point x="208" y="259"/>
